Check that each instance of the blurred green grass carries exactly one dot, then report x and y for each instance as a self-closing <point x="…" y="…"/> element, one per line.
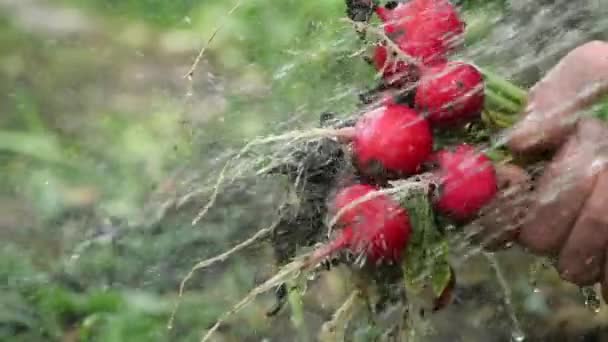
<point x="292" y="67"/>
<point x="162" y="13"/>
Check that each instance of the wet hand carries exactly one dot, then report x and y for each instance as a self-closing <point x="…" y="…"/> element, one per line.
<point x="566" y="215"/>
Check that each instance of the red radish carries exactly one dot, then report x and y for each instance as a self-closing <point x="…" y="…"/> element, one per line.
<point x="392" y="140"/>
<point x="346" y="196"/>
<point x="384" y="14"/>
<point x="395" y="72"/>
<point x="436" y="31"/>
<point x="425" y="29"/>
<point x="467" y="181"/>
<point x="394" y="19"/>
<point x="450" y="94"/>
<point x="376" y="227"/>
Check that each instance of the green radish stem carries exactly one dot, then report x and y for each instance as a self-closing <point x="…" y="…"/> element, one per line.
<point x="495" y="101"/>
<point x="504" y="100"/>
<point x="508" y="120"/>
<point x="495" y="118"/>
<point x="503" y="86"/>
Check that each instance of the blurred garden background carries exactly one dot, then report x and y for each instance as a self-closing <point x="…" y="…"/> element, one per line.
<point x="107" y="154"/>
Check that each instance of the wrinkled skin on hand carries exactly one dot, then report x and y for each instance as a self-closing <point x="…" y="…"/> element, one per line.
<point x="563" y="213"/>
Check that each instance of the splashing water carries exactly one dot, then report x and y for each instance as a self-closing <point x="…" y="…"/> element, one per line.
<point x="591" y="299"/>
<point x="266" y="76"/>
<point x="517" y="334"/>
<point x="507" y="37"/>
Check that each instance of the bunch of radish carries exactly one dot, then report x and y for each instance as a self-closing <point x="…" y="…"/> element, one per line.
<point x="396" y="140"/>
<point x="401" y="138"/>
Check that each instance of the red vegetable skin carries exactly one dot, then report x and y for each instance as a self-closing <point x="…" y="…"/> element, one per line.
<point x="383" y="13"/>
<point x="451" y="94"/>
<point x="392" y="139"/>
<point x="394" y="20"/>
<point x="436" y="31"/>
<point x="467" y="182"/>
<point x="395" y="72"/>
<point x="425" y="29"/>
<point x="376" y="227"/>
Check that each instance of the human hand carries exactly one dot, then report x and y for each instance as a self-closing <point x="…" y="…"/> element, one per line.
<point x="555" y="102"/>
<point x="566" y="215"/>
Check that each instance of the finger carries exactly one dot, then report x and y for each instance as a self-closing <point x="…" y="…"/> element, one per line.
<point x="498" y="223"/>
<point x="582" y="257"/>
<point x="509" y="175"/>
<point x="562" y="190"/>
<point x="573" y="84"/>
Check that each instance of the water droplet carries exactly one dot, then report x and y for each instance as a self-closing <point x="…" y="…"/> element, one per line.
<point x="518" y="336"/>
<point x="592" y="302"/>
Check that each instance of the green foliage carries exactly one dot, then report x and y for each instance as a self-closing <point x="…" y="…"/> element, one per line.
<point x="294" y="72"/>
<point x="301" y="52"/>
<point x="426" y="260"/>
<point x="37" y="307"/>
<point x="601" y="110"/>
<point x="163" y="13"/>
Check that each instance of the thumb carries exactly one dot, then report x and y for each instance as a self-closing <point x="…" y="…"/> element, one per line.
<point x="555" y="103"/>
<point x="546" y="120"/>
